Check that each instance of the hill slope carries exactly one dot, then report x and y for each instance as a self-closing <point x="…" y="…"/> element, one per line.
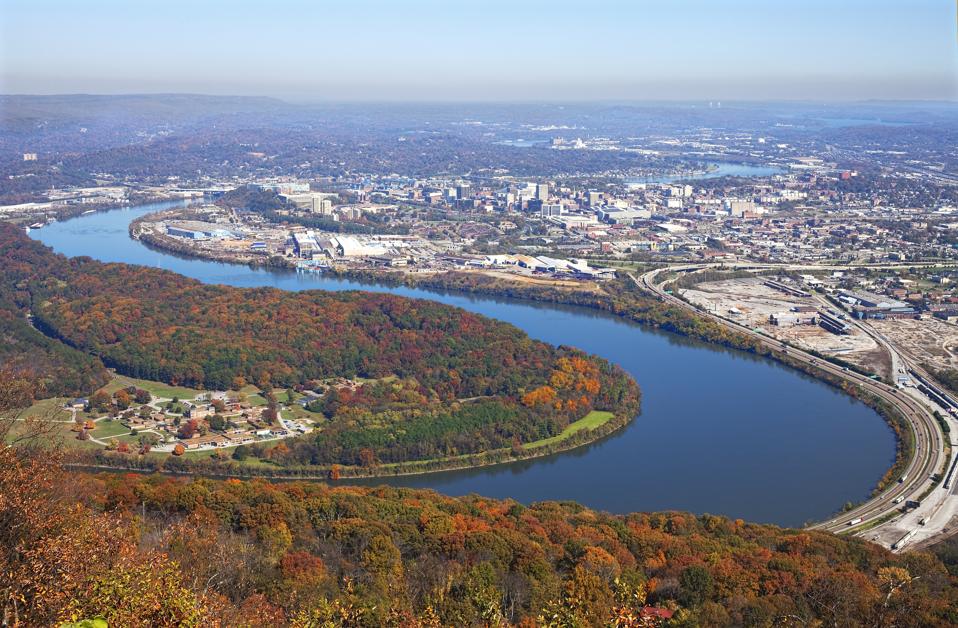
<point x="459" y="383"/>
<point x="236" y="553"/>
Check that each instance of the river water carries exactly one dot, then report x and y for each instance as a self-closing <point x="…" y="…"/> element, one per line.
<point x="721" y="431"/>
<point x="717" y="169"/>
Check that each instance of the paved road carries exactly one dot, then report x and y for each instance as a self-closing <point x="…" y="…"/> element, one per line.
<point x="929" y="448"/>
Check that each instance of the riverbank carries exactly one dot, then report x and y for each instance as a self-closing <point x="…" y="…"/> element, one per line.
<point x="622" y="298"/>
<point x="168" y="244"/>
<point x="794" y="453"/>
<point x="586" y="431"/>
<point x="53" y="211"/>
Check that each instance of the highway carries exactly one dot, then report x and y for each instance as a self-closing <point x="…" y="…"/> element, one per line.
<point x="929" y="455"/>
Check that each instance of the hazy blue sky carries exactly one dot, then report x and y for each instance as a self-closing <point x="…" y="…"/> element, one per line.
<point x="490" y="50"/>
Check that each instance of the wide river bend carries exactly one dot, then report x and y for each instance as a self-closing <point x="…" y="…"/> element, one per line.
<point x="721" y="431"/>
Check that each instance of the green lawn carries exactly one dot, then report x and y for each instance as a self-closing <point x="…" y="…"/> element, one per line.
<point x="157" y="389"/>
<point x="256" y="400"/>
<point x="282" y="395"/>
<point x="297" y="411"/>
<point x="209" y="453"/>
<point x="48" y="409"/>
<point x="125" y="437"/>
<point x="106" y="429"/>
<point x="589" y="422"/>
<point x="57" y="434"/>
<point x="254" y="396"/>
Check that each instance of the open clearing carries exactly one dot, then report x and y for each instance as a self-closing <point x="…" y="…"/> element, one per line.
<point x="157" y="389"/>
<point x="929" y="340"/>
<point x="749" y="302"/>
<point x="589" y="422"/>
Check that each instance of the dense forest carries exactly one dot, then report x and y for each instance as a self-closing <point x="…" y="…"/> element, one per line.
<point x="138" y="550"/>
<point x="62" y="369"/>
<point x="624" y="298"/>
<point x="620" y="296"/>
<point x="459" y="383"/>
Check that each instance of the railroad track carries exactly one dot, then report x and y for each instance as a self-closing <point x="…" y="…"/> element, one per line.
<point x="929" y="453"/>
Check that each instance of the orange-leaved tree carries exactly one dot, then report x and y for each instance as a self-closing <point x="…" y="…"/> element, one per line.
<point x="59" y="560"/>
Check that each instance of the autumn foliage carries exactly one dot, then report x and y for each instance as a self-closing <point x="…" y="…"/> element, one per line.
<point x="140" y="550"/>
<point x="302" y="554"/>
<point x="442" y="382"/>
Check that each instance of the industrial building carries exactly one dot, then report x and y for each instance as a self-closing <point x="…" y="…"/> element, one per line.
<point x="617" y="216"/>
<point x="870" y="305"/>
<point x="831" y="322"/>
<point x="304" y="244"/>
<point x="193" y="232"/>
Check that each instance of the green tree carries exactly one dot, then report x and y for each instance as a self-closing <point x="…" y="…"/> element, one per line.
<point x="241" y="453"/>
<point x="696" y="585"/>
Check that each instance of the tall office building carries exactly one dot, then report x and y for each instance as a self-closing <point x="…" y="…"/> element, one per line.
<point x="321" y="205"/>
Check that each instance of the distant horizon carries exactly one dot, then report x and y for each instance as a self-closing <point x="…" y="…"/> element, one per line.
<point x="491" y="51"/>
<point x="719" y="103"/>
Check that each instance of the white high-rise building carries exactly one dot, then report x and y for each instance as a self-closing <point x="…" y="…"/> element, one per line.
<point x="321" y="205"/>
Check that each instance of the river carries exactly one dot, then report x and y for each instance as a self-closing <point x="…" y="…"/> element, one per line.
<point x="721" y="431"/>
<point x="712" y="170"/>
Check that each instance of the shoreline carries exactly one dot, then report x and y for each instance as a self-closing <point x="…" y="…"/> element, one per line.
<point x="465" y="282"/>
<point x="607" y="429"/>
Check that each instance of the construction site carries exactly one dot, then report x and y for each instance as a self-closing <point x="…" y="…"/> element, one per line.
<point x="789" y="313"/>
<point x="929" y="341"/>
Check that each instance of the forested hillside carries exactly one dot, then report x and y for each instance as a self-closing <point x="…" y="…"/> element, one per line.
<point x="60" y="369"/>
<point x="458" y="383"/>
<point x="152" y="551"/>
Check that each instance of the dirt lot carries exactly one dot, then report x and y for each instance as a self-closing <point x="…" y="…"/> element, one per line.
<point x="540" y="281"/>
<point x="747" y="301"/>
<point x="750" y="302"/>
<point x="929" y="340"/>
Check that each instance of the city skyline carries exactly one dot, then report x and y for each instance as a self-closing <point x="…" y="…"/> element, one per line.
<point x="463" y="51"/>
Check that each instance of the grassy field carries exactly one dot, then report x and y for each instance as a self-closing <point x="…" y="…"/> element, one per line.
<point x="209" y="453"/>
<point x="107" y="429"/>
<point x="296" y="412"/>
<point x="254" y="395"/>
<point x="124" y="437"/>
<point x="157" y="389"/>
<point x="49" y="409"/>
<point x="589" y="422"/>
<point x="56" y="434"/>
<point x="256" y="400"/>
